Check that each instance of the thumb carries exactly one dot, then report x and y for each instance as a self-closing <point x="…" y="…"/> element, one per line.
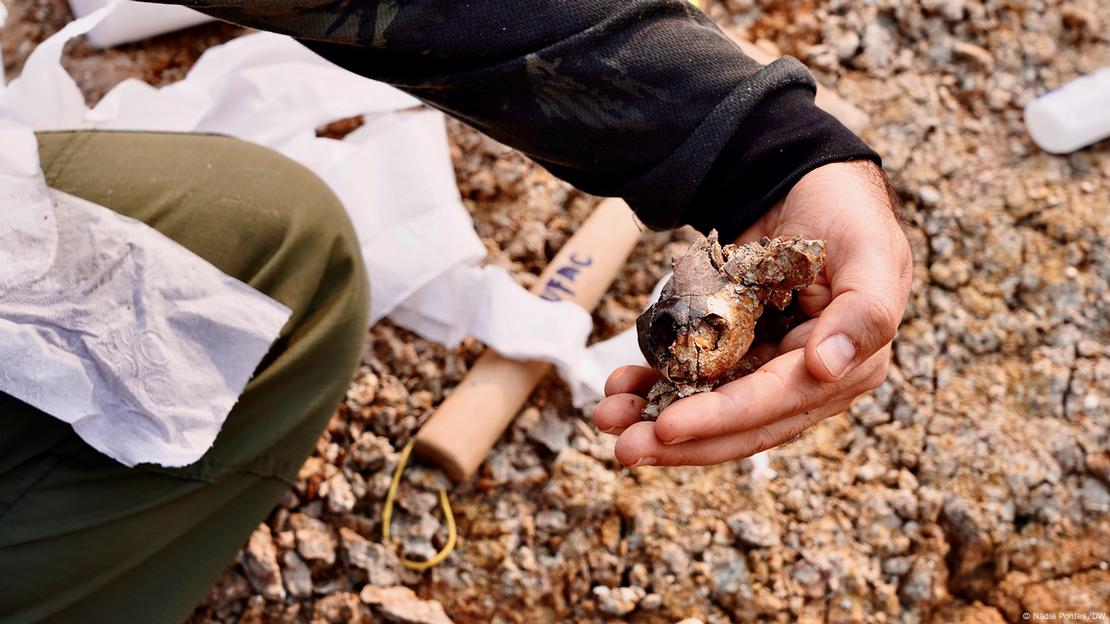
<point x="854" y="326"/>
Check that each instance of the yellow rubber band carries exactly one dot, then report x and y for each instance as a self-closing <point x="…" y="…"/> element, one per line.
<point x="387" y="517"/>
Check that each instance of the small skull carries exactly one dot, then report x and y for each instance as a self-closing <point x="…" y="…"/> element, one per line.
<point x="708" y="314"/>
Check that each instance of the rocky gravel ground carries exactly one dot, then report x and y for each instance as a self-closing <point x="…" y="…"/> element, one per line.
<point x="972" y="486"/>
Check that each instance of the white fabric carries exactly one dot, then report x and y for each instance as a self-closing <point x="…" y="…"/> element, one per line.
<point x="133" y="21"/>
<point x="393" y="175"/>
<point x="108" y="325"/>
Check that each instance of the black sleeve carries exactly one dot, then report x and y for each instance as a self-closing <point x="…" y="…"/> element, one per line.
<point x="642" y="99"/>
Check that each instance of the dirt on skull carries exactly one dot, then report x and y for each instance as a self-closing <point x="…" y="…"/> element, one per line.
<point x="719" y="302"/>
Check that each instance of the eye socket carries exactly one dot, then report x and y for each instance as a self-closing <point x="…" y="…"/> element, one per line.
<point x="664" y="330"/>
<point x="718" y="324"/>
<point x="716" y="321"/>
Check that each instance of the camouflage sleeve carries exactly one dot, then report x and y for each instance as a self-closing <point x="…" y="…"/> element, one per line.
<point x="641" y="99"/>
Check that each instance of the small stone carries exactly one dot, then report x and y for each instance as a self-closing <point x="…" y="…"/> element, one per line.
<point x="651" y="602"/>
<point x="1090" y="402"/>
<point x="370" y="452"/>
<point x="580" y="484"/>
<point x="416" y="501"/>
<point x="878" y="44"/>
<point x="255" y="613"/>
<point x="340" y="608"/>
<point x="870" y="471"/>
<point x="729" y="569"/>
<point x="314" y="538"/>
<point x="552" y="520"/>
<point x="260" y="564"/>
<point x="619" y="601"/>
<point x="676" y="559"/>
<point x="846" y="43"/>
<point x="392" y="391"/>
<point x="1094" y="496"/>
<point x="297" y="576"/>
<point x="929" y="195"/>
<point x="974" y="53"/>
<point x="378" y="486"/>
<point x="754" y="529"/>
<point x="551" y="431"/>
<point x="426" y="526"/>
<point x="896" y="566"/>
<point x="417" y="548"/>
<point x="925" y="583"/>
<point x="809" y="580"/>
<point x="1098" y="464"/>
<point x="340" y="497"/>
<point x="400" y="604"/>
<point x="380" y="562"/>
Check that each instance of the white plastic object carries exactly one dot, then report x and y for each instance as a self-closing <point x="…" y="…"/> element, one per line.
<point x="1072" y="117"/>
<point x="133" y="21"/>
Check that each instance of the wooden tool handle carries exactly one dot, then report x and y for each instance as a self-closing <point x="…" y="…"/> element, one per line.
<point x="465" y="427"/>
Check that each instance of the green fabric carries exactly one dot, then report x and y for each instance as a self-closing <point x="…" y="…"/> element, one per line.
<point x="85" y="539"/>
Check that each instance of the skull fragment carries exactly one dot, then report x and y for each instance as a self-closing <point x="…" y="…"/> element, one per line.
<point x="718" y="302"/>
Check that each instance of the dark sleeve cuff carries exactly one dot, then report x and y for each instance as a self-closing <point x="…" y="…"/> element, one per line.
<point x="783" y="138"/>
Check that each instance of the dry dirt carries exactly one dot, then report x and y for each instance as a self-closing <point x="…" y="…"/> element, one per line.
<point x="972" y="486"/>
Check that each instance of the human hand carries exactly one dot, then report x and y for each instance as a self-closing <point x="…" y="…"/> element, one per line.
<point x="821" y="366"/>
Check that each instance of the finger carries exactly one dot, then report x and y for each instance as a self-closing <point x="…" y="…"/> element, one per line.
<point x="781" y="389"/>
<point x="639" y="445"/>
<point x="869" y="276"/>
<point x="854" y="327"/>
<point x="797" y="337"/>
<point x="614" y="413"/>
<point x="631" y="379"/>
<point x="816" y="297"/>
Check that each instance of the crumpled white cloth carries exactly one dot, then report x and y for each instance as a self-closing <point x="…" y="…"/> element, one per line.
<point x="105" y="323"/>
<point x="393" y="175"/>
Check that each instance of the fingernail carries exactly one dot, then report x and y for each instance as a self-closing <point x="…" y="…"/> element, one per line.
<point x="837" y="353"/>
<point x="612" y="429"/>
<point x="646" y="460"/>
<point x="679" y="440"/>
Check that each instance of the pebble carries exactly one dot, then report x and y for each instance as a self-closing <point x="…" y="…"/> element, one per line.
<point x="728" y="568"/>
<point x="974" y="53"/>
<point x="381" y="563"/>
<point x="1095" y="496"/>
<point x="552" y="520"/>
<point x="580" y="485"/>
<point x="754" y="529"/>
<point x="400" y="604"/>
<point x="260" y="564"/>
<point x="551" y="431"/>
<point x="314" y="538"/>
<point x="340" y="608"/>
<point x="297" y="576"/>
<point x="619" y="601"/>
<point x="929" y="195"/>
<point x="340" y="497"/>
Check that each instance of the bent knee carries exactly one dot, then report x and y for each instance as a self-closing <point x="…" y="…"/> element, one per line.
<point x="310" y="258"/>
<point x="280" y="200"/>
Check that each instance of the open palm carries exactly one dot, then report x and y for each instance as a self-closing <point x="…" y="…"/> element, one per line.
<point x="820" y="367"/>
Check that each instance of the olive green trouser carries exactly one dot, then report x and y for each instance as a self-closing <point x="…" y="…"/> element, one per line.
<point x="85" y="539"/>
